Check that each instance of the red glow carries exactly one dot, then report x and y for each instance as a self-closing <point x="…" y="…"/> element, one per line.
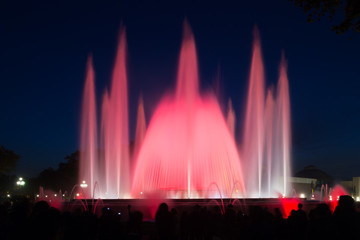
<point x="289" y="204"/>
<point x="335" y="194"/>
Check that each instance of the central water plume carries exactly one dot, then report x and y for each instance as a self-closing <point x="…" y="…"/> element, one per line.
<point x="188" y="147"/>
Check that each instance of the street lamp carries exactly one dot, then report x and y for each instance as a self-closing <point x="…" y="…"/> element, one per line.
<point x="83" y="184"/>
<point x="20" y="182"/>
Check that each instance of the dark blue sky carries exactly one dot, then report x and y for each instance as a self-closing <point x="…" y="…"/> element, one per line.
<point x="44" y="47"/>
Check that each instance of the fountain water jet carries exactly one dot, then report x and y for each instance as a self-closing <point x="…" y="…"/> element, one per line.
<point x="283" y="128"/>
<point x="115" y="128"/>
<point x="253" y="139"/>
<point x="269" y="133"/>
<point x="231" y="119"/>
<point x="187" y="146"/>
<point x="88" y="135"/>
<point x="139" y="132"/>
<point x="267" y="138"/>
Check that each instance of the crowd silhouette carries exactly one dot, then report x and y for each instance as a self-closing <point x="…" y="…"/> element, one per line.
<point x="21" y="219"/>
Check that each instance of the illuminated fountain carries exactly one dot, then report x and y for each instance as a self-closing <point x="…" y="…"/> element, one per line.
<point x="189" y="148"/>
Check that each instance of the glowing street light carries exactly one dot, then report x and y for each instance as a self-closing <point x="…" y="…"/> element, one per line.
<point x="302" y="195"/>
<point x="20" y="182"/>
<point x="83" y="184"/>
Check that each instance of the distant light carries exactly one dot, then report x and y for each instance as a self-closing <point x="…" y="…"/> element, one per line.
<point x="283" y="195"/>
<point x="8" y="195"/>
<point x="302" y="195"/>
<point x="55" y="195"/>
<point x="77" y="194"/>
<point x="338" y="197"/>
<point x="46" y="195"/>
<point x="330" y="198"/>
<point x="141" y="193"/>
<point x="119" y="213"/>
<point x="37" y="195"/>
<point x="83" y="184"/>
<point x="357" y="199"/>
<point x="20" y="182"/>
<point x="63" y="195"/>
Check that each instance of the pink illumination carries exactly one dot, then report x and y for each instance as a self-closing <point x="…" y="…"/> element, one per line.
<point x="139" y="132"/>
<point x="115" y="129"/>
<point x="188" y="146"/>
<point x="231" y="119"/>
<point x="88" y="136"/>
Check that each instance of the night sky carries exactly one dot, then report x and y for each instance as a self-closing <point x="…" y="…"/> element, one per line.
<point x="44" y="47"/>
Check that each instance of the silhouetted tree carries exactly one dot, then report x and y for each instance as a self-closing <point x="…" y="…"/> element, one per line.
<point x="350" y="9"/>
<point x="64" y="177"/>
<point x="8" y="160"/>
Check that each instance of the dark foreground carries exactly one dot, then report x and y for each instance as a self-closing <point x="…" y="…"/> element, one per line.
<point x="21" y="219"/>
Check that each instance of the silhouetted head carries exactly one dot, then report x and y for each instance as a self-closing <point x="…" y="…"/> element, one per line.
<point x="292" y="213"/>
<point x="173" y="211"/>
<point x="322" y="210"/>
<point x="163" y="208"/>
<point x="300" y="206"/>
<point x="40" y="207"/>
<point x="346" y="202"/>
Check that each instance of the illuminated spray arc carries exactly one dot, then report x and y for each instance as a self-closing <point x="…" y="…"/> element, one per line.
<point x="188" y="149"/>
